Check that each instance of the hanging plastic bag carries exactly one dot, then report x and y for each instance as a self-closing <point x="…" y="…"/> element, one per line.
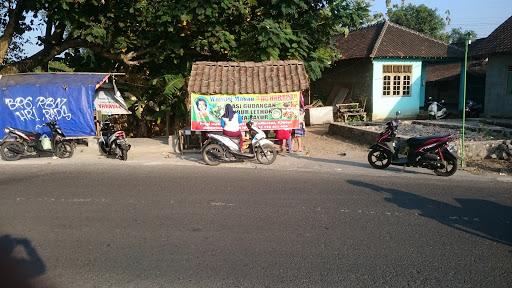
<point x="46" y="143"/>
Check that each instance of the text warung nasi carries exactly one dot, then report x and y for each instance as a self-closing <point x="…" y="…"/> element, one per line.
<point x="270" y="111"/>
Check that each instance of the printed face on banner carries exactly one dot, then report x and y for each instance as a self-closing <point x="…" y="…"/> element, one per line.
<point x="270" y="111"/>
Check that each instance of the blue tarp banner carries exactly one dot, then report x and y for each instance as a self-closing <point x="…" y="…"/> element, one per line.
<point x="68" y="99"/>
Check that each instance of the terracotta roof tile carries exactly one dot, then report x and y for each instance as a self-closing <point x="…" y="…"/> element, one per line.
<point x="387" y="39"/>
<point x="248" y="77"/>
<point x="359" y="43"/>
<point x="499" y="41"/>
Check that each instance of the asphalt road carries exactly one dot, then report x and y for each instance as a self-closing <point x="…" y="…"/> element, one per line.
<point x="122" y="225"/>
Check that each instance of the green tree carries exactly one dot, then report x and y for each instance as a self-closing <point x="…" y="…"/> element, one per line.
<point x="457" y="35"/>
<point x="155" y="42"/>
<point x="419" y="18"/>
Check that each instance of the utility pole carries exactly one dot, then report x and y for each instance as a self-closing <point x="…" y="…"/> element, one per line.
<point x="467" y="41"/>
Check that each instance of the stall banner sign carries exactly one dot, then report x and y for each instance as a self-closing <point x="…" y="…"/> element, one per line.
<point x="108" y="104"/>
<point x="273" y="111"/>
<point x="28" y="107"/>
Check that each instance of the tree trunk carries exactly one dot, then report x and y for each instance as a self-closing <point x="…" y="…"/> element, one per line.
<point x="6" y="38"/>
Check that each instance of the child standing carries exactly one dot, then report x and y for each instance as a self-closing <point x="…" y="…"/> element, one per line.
<point x="301" y="131"/>
<point x="285" y="139"/>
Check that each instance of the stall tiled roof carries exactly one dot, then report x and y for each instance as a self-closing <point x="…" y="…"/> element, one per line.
<point x="248" y="77"/>
<point x="387" y="39"/>
<point x="499" y="41"/>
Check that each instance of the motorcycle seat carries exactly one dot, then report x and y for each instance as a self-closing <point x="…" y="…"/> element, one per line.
<point x="30" y="133"/>
<point x="417" y="141"/>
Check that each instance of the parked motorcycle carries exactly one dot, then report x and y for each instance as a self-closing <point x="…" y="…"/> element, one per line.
<point x="436" y="110"/>
<point x="219" y="148"/>
<point x="473" y="109"/>
<point x="432" y="152"/>
<point x="17" y="143"/>
<point x="113" y="142"/>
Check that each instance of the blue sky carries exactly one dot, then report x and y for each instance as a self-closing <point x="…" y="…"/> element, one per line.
<point x="482" y="16"/>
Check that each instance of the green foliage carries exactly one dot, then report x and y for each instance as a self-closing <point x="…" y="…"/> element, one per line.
<point x="457" y="35"/>
<point x="419" y="18"/>
<point x="160" y="39"/>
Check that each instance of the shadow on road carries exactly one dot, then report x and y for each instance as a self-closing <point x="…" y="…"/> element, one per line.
<point x="482" y="218"/>
<point x="20" y="263"/>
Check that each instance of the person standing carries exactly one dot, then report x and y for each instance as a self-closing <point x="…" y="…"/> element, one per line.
<point x="230" y="123"/>
<point x="301" y="131"/>
<point x="285" y="139"/>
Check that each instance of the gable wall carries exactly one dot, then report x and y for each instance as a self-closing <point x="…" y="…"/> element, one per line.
<point x="384" y="107"/>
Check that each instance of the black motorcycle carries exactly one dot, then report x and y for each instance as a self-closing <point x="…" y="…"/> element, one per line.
<point x="17" y="143"/>
<point x="431" y="152"/>
<point x="473" y="109"/>
<point x="113" y="142"/>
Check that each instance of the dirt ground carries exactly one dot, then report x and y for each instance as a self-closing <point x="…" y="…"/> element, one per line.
<point x="319" y="143"/>
<point x="489" y="166"/>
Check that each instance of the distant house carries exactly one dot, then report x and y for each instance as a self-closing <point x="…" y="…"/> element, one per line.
<point x="385" y="65"/>
<point x="497" y="48"/>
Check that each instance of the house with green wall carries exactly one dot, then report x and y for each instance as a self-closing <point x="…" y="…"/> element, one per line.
<point x="496" y="51"/>
<point x="384" y="66"/>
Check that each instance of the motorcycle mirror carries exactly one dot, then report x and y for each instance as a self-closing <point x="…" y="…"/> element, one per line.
<point x="397" y="113"/>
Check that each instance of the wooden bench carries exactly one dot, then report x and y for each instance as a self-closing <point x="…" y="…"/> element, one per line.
<point x="345" y="111"/>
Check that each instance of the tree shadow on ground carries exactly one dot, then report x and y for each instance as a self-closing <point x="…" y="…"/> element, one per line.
<point x="20" y="263"/>
<point x="482" y="218"/>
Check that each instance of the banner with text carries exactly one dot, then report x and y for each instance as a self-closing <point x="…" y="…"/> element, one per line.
<point x="28" y="107"/>
<point x="272" y="111"/>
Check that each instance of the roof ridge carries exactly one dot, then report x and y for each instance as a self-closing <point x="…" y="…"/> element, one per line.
<point x="421" y="34"/>
<point x="255" y="63"/>
<point x="367" y="26"/>
<point x="379" y="39"/>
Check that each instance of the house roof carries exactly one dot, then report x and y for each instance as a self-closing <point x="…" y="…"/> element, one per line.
<point x="387" y="39"/>
<point x="440" y="71"/>
<point x="499" y="41"/>
<point x="248" y="77"/>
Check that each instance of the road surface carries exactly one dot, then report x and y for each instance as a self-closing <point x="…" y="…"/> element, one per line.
<point x="122" y="224"/>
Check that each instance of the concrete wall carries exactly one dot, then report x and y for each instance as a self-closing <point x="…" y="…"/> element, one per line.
<point x="384" y="107"/>
<point x="498" y="103"/>
<point x="355" y="74"/>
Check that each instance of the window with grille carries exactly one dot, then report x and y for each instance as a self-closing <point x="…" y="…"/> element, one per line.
<point x="396" y="80"/>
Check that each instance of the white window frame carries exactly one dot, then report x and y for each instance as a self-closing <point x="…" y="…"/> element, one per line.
<point x="396" y="80"/>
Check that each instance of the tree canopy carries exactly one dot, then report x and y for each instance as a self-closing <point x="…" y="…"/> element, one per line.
<point x="134" y="32"/>
<point x="155" y="42"/>
<point x="419" y="18"/>
<point x="425" y="20"/>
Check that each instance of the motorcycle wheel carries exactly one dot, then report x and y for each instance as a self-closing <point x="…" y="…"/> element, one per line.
<point x="11" y="151"/>
<point x="64" y="150"/>
<point x="266" y="155"/>
<point x="379" y="159"/>
<point x="449" y="169"/>
<point x="211" y="154"/>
